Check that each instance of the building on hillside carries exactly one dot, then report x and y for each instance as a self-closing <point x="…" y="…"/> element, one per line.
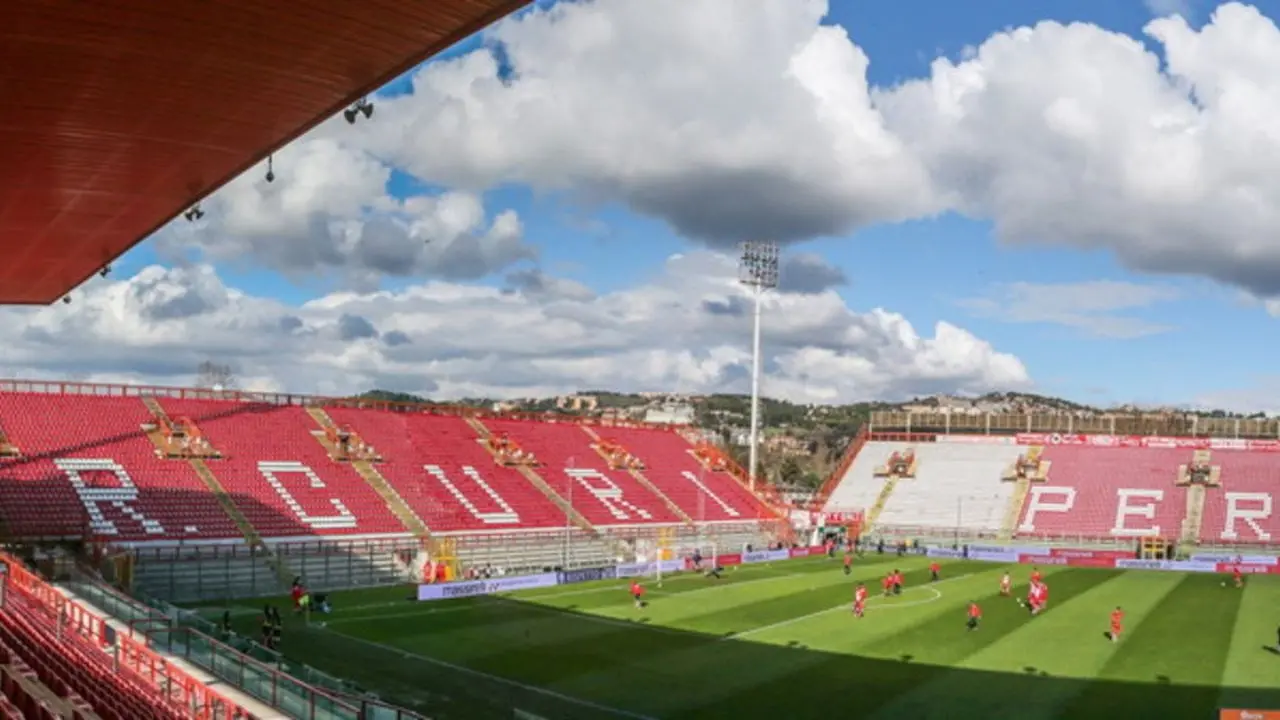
<point x="577" y="403"/>
<point x="670" y="414"/>
<point x="786" y="445"/>
<point x="614" y="414"/>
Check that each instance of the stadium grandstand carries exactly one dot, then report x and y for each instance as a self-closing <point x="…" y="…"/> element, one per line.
<point x="137" y="498"/>
<point x="191" y="496"/>
<point x="106" y="158"/>
<point x="196" y="495"/>
<point x="144" y="528"/>
<point x="1093" y="480"/>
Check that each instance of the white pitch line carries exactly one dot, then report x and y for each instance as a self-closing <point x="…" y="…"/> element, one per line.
<point x="534" y="601"/>
<point x="937" y="595"/>
<point x="496" y="678"/>
<point x="723" y="585"/>
<point x="610" y="620"/>
<point x="414" y="603"/>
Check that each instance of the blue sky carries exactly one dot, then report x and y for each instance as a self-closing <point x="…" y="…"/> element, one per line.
<point x="1092" y="317"/>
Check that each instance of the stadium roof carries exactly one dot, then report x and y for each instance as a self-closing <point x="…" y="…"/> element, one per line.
<point x="121" y="114"/>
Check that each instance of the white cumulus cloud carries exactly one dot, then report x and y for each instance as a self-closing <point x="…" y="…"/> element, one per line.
<point x="686" y="329"/>
<point x="1069" y="135"/>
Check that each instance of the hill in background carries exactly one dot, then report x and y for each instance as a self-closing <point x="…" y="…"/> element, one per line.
<point x="800" y="444"/>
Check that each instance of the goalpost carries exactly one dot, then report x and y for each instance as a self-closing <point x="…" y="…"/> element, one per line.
<point x="432" y="556"/>
<point x="665" y="538"/>
<point x="662" y="548"/>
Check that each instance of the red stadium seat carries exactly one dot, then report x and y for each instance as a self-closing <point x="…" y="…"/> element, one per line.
<point x="87" y="467"/>
<point x="1243" y="510"/>
<point x="1107" y="492"/>
<point x="669" y="464"/>
<point x="82" y="675"/>
<point x="86" y="462"/>
<point x="280" y="476"/>
<point x="439" y="468"/>
<point x="573" y="469"/>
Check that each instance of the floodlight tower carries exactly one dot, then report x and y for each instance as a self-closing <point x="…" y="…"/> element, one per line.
<point x="758" y="270"/>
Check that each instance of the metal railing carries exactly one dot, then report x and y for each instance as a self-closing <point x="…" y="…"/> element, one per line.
<point x="47" y="387"/>
<point x="252" y="677"/>
<point x="236" y="660"/>
<point x="1088" y="424"/>
<point x="969" y="536"/>
<point x="207" y="573"/>
<point x="134" y="662"/>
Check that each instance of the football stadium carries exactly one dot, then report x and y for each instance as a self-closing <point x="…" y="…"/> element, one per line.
<point x="210" y="553"/>
<point x="409" y="580"/>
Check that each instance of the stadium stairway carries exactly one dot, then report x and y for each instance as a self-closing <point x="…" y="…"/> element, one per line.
<point x="369" y="472"/>
<point x="886" y="491"/>
<point x="1009" y="526"/>
<point x="205" y="473"/>
<point x="640" y="478"/>
<point x="1194" y="518"/>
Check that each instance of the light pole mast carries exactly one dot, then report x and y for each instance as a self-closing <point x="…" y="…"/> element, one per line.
<point x="758" y="270"/>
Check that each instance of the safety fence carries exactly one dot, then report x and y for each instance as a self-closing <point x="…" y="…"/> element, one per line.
<point x="301" y="691"/>
<point x="132" y="658"/>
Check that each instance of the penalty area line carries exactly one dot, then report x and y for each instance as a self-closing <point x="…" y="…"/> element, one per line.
<point x="495" y="678"/>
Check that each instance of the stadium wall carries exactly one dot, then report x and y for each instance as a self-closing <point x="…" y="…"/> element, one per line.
<point x="1116" y="425"/>
<point x="1101" y="441"/>
<point x="773" y="503"/>
<point x="819" y="500"/>
<point x="269" y="398"/>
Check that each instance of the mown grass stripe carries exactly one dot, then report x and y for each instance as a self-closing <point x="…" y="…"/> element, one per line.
<point x="666" y="685"/>
<point x="1169" y="663"/>
<point x="553" y="662"/>
<point x="1066" y="644"/>
<point x="824" y="657"/>
<point x="942" y="641"/>
<point x="589" y="704"/>
<point x="1251" y="677"/>
<point x="505" y="615"/>
<point x="807" y="601"/>
<point x="542" y="643"/>
<point x="1035" y="669"/>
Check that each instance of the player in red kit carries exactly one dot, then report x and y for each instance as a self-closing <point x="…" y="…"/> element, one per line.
<point x="637" y="592"/>
<point x="1117" y="623"/>
<point x="860" y="600"/>
<point x="897" y="582"/>
<point x="975" y="615"/>
<point x="1006" y="585"/>
<point x="887" y="583"/>
<point x="1033" y="598"/>
<point x="934" y="569"/>
<point x="1042" y="598"/>
<point x="1237" y="576"/>
<point x="848" y="562"/>
<point x="1035" y="575"/>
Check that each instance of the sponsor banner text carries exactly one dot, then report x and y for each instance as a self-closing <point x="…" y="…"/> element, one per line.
<point x="1227" y="558"/>
<point x="472" y="588"/>
<point x="568" y="577"/>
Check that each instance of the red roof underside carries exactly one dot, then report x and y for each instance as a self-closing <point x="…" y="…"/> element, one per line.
<point x="120" y="114"/>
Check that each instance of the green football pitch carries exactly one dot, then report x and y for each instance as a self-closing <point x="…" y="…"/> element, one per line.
<point x="780" y="641"/>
